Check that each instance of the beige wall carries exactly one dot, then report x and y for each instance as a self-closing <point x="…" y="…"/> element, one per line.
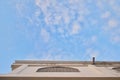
<point x="60" y="78"/>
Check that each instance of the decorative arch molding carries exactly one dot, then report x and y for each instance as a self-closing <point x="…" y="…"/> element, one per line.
<point x="57" y="69"/>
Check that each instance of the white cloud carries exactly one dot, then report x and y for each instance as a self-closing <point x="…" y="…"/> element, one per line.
<point x="56" y="13"/>
<point x="48" y="19"/>
<point x="45" y="35"/>
<point x="37" y="2"/>
<point x="94" y="22"/>
<point x="75" y="28"/>
<point x="43" y="4"/>
<point x="37" y="13"/>
<point x="100" y="4"/>
<point x="66" y="18"/>
<point x="49" y="54"/>
<point x="20" y="7"/>
<point x="31" y="56"/>
<point x="61" y="30"/>
<point x="93" y="39"/>
<point x="112" y="30"/>
<point x="111" y="26"/>
<point x="115" y="39"/>
<point x="106" y="15"/>
<point x="88" y="42"/>
<point x="89" y="53"/>
<point x="114" y="6"/>
<point x="112" y="23"/>
<point x="92" y="52"/>
<point x="73" y="1"/>
<point x="62" y="19"/>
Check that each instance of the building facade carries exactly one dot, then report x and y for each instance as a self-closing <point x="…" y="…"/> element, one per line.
<point x="63" y="70"/>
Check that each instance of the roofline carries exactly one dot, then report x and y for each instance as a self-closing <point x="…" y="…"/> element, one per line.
<point x="60" y="62"/>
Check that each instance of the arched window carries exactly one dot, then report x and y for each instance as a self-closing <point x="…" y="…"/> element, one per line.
<point x="57" y="69"/>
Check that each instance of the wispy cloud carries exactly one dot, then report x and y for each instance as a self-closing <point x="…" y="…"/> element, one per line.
<point x="45" y="35"/>
<point x="106" y="14"/>
<point x="76" y="23"/>
<point x="92" y="52"/>
<point x="50" y="54"/>
<point x="76" y="28"/>
<point x="112" y="23"/>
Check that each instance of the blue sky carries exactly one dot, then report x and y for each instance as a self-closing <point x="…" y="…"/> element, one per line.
<point x="59" y="30"/>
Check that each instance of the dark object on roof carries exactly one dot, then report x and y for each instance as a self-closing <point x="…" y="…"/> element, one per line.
<point x="93" y="62"/>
